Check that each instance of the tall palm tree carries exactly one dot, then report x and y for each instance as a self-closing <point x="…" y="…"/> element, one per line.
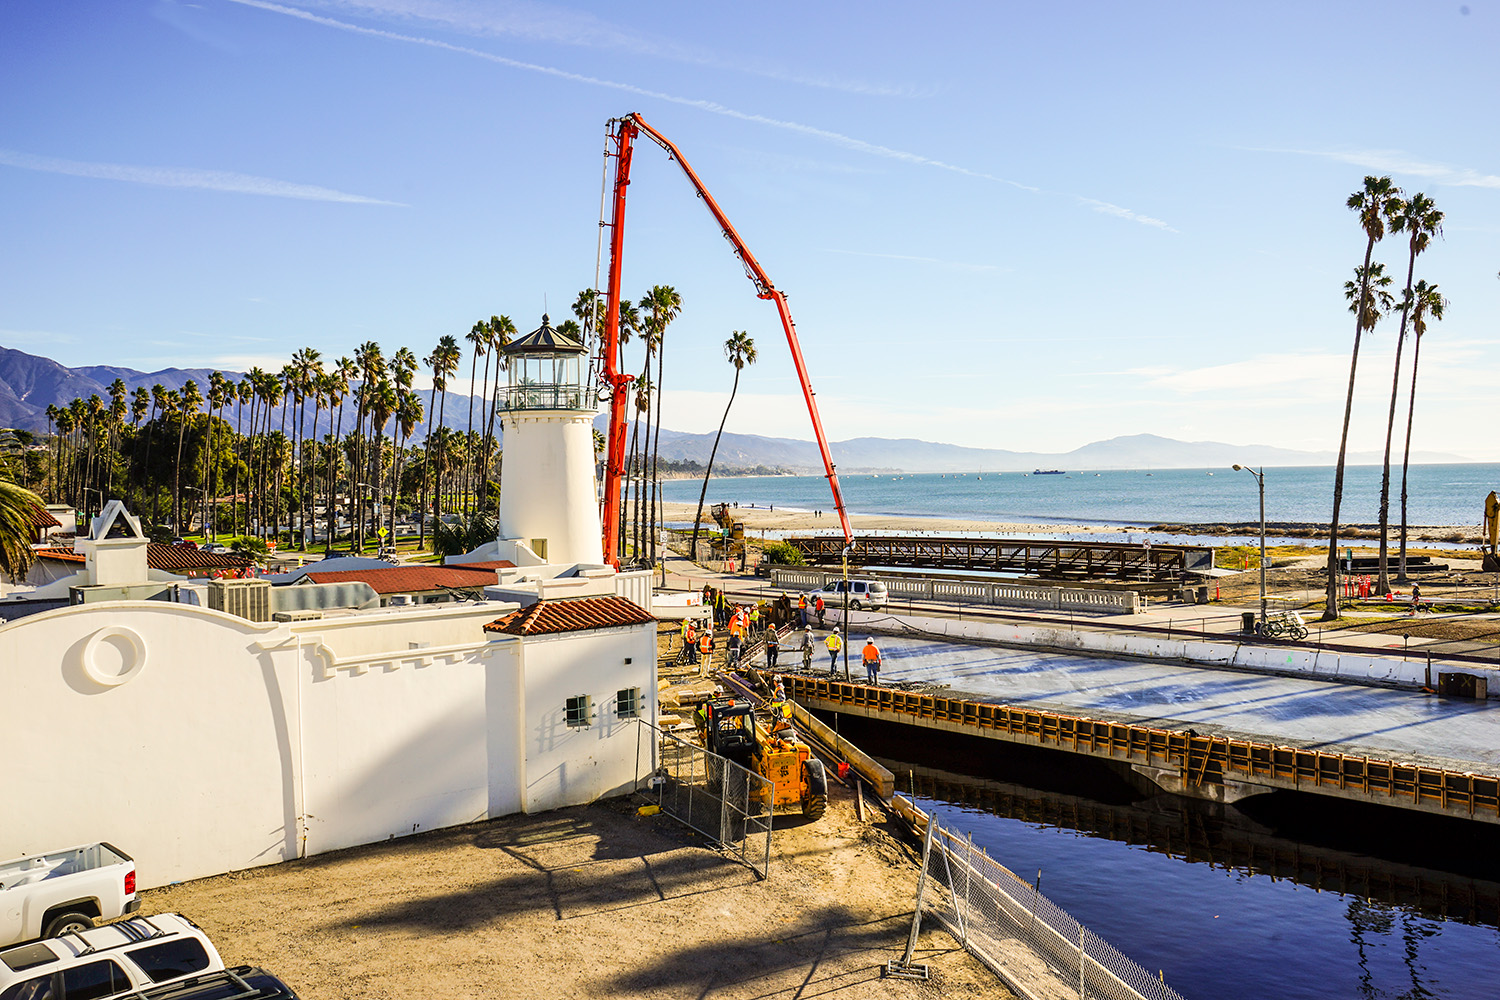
<point x="218" y="388"/>
<point x="371" y="361"/>
<point x="244" y="394"/>
<point x="1419" y="218"/>
<point x="1423" y="301"/>
<point x="450" y="356"/>
<point x="382" y="406"/>
<point x="740" y="350"/>
<point x="190" y="400"/>
<point x="502" y="330"/>
<point x="140" y="404"/>
<point x="55" y="441"/>
<point x="1375" y="202"/>
<point x="478" y="337"/>
<point x="408" y="416"/>
<point x="665" y="305"/>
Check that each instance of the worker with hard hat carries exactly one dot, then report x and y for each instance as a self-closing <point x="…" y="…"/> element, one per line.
<point x="872" y="661"/>
<point x="807" y="647"/>
<point x="834" y="644"/>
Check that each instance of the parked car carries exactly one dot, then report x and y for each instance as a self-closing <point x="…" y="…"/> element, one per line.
<point x="862" y="594"/>
<point x="243" y="982"/>
<point x="64" y="891"/>
<point x="118" y="959"/>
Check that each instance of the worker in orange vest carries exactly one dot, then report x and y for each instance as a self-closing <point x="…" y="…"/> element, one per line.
<point x="872" y="661"/>
<point x="802" y="609"/>
<point x="690" y="640"/>
<point x="706" y="650"/>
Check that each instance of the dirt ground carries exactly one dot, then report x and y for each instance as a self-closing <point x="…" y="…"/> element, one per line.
<point x="586" y="902"/>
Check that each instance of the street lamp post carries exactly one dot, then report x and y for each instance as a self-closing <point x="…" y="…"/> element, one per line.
<point x="846" y="612"/>
<point x="1260" y="480"/>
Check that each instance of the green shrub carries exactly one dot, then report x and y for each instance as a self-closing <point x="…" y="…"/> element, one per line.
<point x="783" y="554"/>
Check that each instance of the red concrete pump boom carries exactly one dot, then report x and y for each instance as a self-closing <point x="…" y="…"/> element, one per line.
<point x="622" y="133"/>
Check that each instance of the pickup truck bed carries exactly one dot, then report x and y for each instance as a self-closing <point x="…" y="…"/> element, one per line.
<point x="49" y="894"/>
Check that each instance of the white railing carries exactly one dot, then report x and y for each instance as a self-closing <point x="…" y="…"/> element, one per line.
<point x="1120" y="602"/>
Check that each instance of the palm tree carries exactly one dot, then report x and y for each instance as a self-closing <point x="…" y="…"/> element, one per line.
<point x="189" y="400"/>
<point x="371" y="361"/>
<point x="501" y="331"/>
<point x="444" y="361"/>
<point x="665" y="306"/>
<point x="740" y="350"/>
<point x="478" y="336"/>
<point x="140" y="404"/>
<point x="383" y="404"/>
<point x="1375" y="202"/>
<point x="408" y="416"/>
<point x="1419" y="218"/>
<point x="1423" y="301"/>
<point x="17" y="507"/>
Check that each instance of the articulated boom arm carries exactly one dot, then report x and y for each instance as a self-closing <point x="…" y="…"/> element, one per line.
<point x="622" y="133"/>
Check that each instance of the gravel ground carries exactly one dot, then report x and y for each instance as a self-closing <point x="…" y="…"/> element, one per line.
<point x="586" y="902"/>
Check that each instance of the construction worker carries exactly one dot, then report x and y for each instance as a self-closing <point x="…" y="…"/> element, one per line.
<point x="819" y="606"/>
<point x="872" y="661"/>
<point x="690" y="640"/>
<point x="773" y="648"/>
<point x="755" y="618"/>
<point x="802" y="610"/>
<point x="705" y="649"/>
<point x="807" y="647"/>
<point x="834" y="644"/>
<point x="734" y="649"/>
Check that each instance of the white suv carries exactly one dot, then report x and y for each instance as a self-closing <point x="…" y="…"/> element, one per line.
<point x="115" y="960"/>
<point x="862" y="594"/>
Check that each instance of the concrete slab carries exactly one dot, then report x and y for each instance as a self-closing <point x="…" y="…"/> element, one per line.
<point x="1348" y="718"/>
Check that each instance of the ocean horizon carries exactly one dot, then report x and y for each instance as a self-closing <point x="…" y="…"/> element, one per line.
<point x="1439" y="495"/>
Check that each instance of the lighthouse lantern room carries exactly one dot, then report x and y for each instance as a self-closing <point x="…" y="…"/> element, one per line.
<point x="549" y="507"/>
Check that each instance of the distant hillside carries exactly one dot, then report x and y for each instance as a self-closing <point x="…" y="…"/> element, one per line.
<point x="29" y="383"/>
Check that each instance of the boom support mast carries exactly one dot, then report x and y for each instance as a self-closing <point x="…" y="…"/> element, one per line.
<point x="623" y="132"/>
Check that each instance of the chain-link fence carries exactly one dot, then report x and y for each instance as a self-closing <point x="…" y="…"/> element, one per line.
<point x="1025" y="937"/>
<point x="715" y="796"/>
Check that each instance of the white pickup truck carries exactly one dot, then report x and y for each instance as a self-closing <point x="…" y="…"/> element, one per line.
<point x="50" y="894"/>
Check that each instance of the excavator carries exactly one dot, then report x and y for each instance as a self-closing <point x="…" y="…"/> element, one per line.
<point x="1491" y="533"/>
<point x="614" y="382"/>
<point x="772" y="749"/>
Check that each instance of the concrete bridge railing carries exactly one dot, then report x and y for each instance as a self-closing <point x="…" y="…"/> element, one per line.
<point x="1010" y="595"/>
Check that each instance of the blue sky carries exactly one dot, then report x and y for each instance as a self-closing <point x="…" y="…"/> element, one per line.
<point x="999" y="225"/>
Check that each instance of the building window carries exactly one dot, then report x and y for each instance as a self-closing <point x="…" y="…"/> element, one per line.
<point x="580" y="711"/>
<point x="628" y="703"/>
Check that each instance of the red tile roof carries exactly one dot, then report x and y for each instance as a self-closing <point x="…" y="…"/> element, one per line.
<point x="38" y="517"/>
<point x="165" y="557"/>
<point x="573" y="615"/>
<point x="489" y="564"/>
<point x="410" y="579"/>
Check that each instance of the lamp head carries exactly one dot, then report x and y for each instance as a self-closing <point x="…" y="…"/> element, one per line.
<point x="1236" y="468"/>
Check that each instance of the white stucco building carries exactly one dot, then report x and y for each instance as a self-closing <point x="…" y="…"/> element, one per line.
<point x="201" y="742"/>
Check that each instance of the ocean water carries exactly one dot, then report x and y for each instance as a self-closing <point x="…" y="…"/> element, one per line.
<point x="1437" y="495"/>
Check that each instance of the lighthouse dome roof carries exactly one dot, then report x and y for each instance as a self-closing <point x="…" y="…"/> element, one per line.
<point x="545" y="339"/>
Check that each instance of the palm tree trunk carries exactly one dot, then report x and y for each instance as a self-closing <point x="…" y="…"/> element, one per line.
<point x="697" y="518"/>
<point x="1331" y="602"/>
<point x="1411" y="409"/>
<point x="661" y="355"/>
<point x="1383" y="585"/>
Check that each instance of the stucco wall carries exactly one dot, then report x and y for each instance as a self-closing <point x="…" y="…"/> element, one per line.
<point x="185" y="764"/>
<point x="562" y="762"/>
<point x="200" y="743"/>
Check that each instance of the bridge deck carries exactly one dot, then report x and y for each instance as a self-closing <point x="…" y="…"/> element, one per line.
<point x="1019" y="556"/>
<point x="1393" y="747"/>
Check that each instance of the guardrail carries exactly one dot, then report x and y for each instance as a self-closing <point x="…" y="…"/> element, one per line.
<point x="1198" y="760"/>
<point x="1121" y="602"/>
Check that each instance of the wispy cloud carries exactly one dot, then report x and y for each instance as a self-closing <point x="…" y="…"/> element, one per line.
<point x="545" y="23"/>
<point x="711" y="107"/>
<point x="1123" y="213"/>
<point x="1394" y="161"/>
<point x="184" y="177"/>
<point x="955" y="264"/>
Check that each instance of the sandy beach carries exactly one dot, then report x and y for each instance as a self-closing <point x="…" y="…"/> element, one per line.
<point x="758" y="519"/>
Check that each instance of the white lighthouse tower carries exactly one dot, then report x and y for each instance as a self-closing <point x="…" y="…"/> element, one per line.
<point x="549" y="508"/>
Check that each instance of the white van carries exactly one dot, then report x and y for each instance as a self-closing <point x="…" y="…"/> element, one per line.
<point x="863" y="594"/>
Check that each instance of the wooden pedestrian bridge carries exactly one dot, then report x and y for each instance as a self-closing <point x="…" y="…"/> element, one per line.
<point x="1214" y="768"/>
<point x="1051" y="560"/>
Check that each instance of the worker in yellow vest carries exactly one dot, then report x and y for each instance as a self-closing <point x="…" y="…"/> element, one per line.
<point x="834" y="644"/>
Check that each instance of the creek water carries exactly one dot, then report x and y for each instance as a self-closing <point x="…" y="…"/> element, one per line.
<point x="1286" y="896"/>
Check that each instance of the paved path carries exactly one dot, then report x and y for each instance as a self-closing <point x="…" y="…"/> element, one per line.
<point x="1325" y="714"/>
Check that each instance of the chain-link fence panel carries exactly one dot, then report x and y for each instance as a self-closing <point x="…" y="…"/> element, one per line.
<point x="717" y="797"/>
<point x="1032" y="942"/>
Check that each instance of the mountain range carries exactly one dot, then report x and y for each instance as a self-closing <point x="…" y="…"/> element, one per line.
<point x="29" y="383"/>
